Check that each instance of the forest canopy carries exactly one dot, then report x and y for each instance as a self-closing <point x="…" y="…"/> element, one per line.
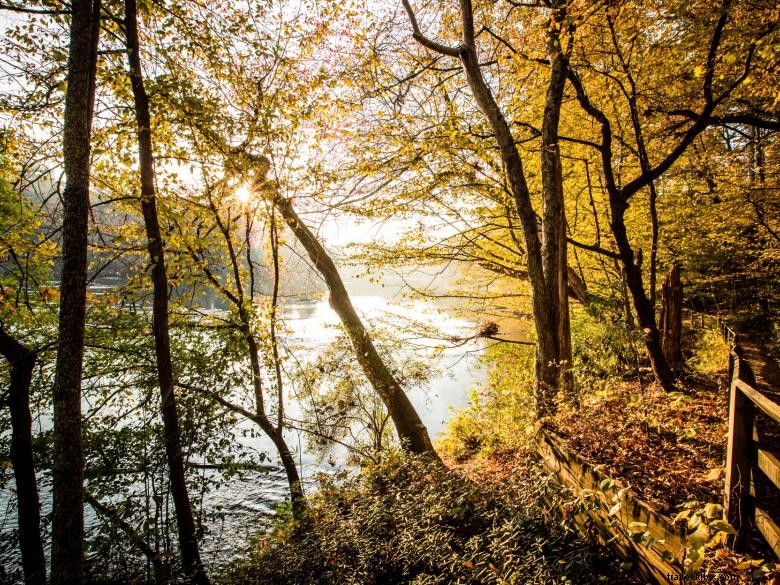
<point x="547" y="182"/>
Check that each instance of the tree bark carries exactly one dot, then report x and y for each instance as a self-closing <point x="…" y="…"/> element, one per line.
<point x="188" y="544"/>
<point x="261" y="419"/>
<point x="545" y="296"/>
<point x="618" y="204"/>
<point x="627" y="314"/>
<point x="544" y="308"/>
<point x="22" y="361"/>
<point x="671" y="316"/>
<point x="554" y="253"/>
<point x="411" y="431"/>
<point x="632" y="98"/>
<point x="67" y="473"/>
<point x="644" y="310"/>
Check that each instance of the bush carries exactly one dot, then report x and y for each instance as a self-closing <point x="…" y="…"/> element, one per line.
<point x="408" y="521"/>
<point x="499" y="416"/>
<point x="602" y="344"/>
<point x="710" y="353"/>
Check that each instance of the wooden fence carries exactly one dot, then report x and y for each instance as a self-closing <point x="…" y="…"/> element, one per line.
<point x="618" y="518"/>
<point x="743" y="507"/>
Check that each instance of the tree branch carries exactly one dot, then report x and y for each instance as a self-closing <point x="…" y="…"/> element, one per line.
<point x="593" y="248"/>
<point x="22" y="9"/>
<point x="425" y="41"/>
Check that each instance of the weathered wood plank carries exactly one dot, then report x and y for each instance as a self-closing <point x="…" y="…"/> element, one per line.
<point x="583" y="480"/>
<point x="769" y="529"/>
<point x="769" y="464"/>
<point x="770" y="407"/>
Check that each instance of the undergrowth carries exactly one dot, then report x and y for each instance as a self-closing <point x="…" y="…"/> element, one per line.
<point x="410" y="521"/>
<point x="500" y="416"/>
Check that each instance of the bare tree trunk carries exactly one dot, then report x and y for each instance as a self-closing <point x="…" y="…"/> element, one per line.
<point x="22" y="362"/>
<point x="68" y="469"/>
<point x="544" y="307"/>
<point x="671" y="316"/>
<point x="296" y="488"/>
<point x="577" y="289"/>
<point x="644" y="310"/>
<point x="275" y="433"/>
<point x="411" y="430"/>
<point x="554" y="256"/>
<point x="618" y="204"/>
<point x="632" y="97"/>
<point x="239" y="301"/>
<point x="188" y="543"/>
<point x="627" y="314"/>
<point x="545" y="296"/>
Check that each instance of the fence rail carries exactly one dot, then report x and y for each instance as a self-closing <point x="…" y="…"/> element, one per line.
<point x="744" y="454"/>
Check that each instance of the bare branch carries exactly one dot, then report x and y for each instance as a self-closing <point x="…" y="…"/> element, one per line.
<point x="758" y="120"/>
<point x="15" y="8"/>
<point x="593" y="248"/>
<point x="425" y="41"/>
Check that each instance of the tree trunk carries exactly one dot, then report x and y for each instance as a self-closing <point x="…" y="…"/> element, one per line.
<point x="644" y="310"/>
<point x="297" y="500"/>
<point x="411" y="430"/>
<point x="276" y="434"/>
<point x="545" y="296"/>
<point x="259" y="416"/>
<point x="544" y="307"/>
<point x="627" y="314"/>
<point x="554" y="255"/>
<point x="67" y="474"/>
<point x="671" y="316"/>
<point x="22" y="362"/>
<point x="577" y="289"/>
<point x="188" y="543"/>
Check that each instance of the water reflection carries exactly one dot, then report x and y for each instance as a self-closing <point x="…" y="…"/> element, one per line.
<point x="249" y="503"/>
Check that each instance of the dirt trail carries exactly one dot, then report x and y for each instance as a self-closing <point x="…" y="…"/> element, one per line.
<point x="763" y="364"/>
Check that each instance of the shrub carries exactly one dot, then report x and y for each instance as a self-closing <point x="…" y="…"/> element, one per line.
<point x="499" y="416"/>
<point x="408" y="521"/>
<point x="602" y="345"/>
<point x="710" y="354"/>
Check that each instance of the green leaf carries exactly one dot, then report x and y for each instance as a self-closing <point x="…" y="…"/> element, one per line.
<point x="722" y="526"/>
<point x="712" y="511"/>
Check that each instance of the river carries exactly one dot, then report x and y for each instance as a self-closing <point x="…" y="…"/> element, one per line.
<point x="247" y="502"/>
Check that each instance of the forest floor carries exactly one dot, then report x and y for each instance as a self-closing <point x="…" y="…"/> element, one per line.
<point x="670" y="447"/>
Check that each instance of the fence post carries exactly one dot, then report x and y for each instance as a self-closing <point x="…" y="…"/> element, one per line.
<point x="738" y="504"/>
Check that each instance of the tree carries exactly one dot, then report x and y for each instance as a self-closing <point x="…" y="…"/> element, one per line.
<point x="239" y="288"/>
<point x="188" y="543"/>
<point x="22" y="361"/>
<point x="25" y="267"/>
<point x="723" y="64"/>
<point x="410" y="428"/>
<point x="546" y="251"/>
<point x="68" y="491"/>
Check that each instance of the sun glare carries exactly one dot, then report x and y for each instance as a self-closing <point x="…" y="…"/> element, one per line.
<point x="243" y="194"/>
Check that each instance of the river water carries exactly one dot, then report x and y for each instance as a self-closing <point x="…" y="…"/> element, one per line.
<point x="248" y="501"/>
